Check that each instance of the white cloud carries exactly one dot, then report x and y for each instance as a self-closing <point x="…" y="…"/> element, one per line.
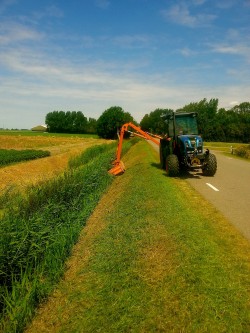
<point x="233" y="49"/>
<point x="187" y="52"/>
<point x="180" y="14"/>
<point x="14" y="32"/>
<point x="233" y="103"/>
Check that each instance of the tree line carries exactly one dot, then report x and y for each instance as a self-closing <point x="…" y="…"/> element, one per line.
<point x="69" y="122"/>
<point x="214" y="124"/>
<point x="232" y="125"/>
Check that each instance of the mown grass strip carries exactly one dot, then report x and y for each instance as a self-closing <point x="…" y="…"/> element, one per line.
<point x="10" y="156"/>
<point x="38" y="231"/>
<point x="163" y="261"/>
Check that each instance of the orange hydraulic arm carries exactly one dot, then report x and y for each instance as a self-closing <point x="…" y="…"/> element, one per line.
<point x="118" y="167"/>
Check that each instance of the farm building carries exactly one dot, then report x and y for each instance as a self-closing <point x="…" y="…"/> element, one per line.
<point x="39" y="128"/>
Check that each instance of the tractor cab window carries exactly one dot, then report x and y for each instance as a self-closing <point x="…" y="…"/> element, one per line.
<point x="186" y="125"/>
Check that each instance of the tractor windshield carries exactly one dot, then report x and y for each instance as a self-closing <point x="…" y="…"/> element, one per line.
<point x="186" y="124"/>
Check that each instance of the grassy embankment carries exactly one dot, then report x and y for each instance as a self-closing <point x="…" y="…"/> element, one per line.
<point x="154" y="257"/>
<point x="38" y="229"/>
<point x="235" y="149"/>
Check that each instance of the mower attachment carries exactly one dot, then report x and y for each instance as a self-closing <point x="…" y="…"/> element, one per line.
<point x="117" y="169"/>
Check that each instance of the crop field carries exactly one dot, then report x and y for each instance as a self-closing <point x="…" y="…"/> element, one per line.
<point x="10" y="156"/>
<point x="61" y="149"/>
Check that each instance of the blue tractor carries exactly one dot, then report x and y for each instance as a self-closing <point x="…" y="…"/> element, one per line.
<point x="182" y="147"/>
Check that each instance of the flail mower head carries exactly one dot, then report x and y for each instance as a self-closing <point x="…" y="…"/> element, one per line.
<point x="117" y="169"/>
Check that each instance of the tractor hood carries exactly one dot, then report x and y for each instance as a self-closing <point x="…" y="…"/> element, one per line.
<point x="191" y="142"/>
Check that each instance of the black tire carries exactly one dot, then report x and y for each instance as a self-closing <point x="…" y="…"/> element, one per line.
<point x="172" y="166"/>
<point x="210" y="167"/>
<point x="162" y="159"/>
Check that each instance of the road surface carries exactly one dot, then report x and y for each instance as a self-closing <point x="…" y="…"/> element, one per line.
<point x="228" y="190"/>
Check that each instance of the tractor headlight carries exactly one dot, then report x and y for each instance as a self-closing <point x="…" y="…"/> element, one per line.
<point x="199" y="143"/>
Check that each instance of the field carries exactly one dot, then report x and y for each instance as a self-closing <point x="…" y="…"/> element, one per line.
<point x="223" y="146"/>
<point x="149" y="256"/>
<point x="12" y="156"/>
<point x="61" y="148"/>
<point x="240" y="150"/>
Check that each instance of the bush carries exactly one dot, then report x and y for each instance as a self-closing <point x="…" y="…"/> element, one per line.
<point x="243" y="151"/>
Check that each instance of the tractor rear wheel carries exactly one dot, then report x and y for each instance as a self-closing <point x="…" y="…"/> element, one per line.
<point x="210" y="165"/>
<point x="162" y="159"/>
<point x="172" y="166"/>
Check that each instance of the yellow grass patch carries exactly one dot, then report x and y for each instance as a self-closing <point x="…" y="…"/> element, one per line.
<point x="36" y="142"/>
<point x="32" y="172"/>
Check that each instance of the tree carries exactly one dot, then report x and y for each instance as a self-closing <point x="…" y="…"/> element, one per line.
<point x="154" y="123"/>
<point x="91" y="127"/>
<point x="231" y="125"/>
<point x="206" y="117"/>
<point x="66" y="122"/>
<point x="242" y="112"/>
<point x="111" y="120"/>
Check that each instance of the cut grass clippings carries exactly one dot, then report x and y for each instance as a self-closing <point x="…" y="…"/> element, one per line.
<point x="154" y="257"/>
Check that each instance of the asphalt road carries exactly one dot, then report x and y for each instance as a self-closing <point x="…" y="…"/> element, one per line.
<point x="228" y="190"/>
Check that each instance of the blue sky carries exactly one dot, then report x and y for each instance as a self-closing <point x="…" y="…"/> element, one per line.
<point x="89" y="55"/>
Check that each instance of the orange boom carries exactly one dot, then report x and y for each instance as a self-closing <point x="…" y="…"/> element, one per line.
<point x="118" y="166"/>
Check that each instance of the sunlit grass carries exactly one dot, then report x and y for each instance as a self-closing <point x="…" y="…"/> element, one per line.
<point x="37" y="231"/>
<point x="223" y="146"/>
<point x="164" y="260"/>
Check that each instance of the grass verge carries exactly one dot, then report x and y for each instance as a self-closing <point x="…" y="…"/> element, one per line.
<point x="154" y="257"/>
<point x="38" y="230"/>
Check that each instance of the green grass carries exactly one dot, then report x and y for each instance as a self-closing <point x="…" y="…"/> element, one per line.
<point x="38" y="230"/>
<point x="164" y="261"/>
<point x="223" y="146"/>
<point x="10" y="156"/>
<point x="46" y="134"/>
<point x="236" y="150"/>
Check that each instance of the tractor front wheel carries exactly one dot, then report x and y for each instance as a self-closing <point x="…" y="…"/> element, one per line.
<point x="172" y="166"/>
<point x="210" y="166"/>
